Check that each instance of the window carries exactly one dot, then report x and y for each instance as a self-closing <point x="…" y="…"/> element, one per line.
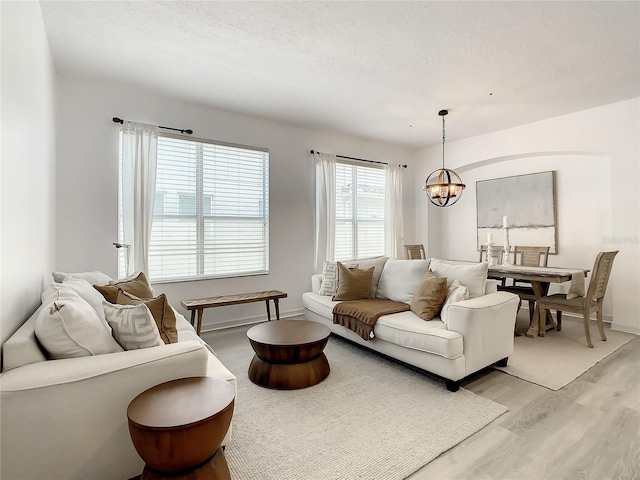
<point x="187" y="204"/>
<point x="211" y="214"/>
<point x="158" y="203"/>
<point x="360" y="205"/>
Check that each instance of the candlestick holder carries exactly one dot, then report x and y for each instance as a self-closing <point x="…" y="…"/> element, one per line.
<point x="491" y="259"/>
<point x="506" y="257"/>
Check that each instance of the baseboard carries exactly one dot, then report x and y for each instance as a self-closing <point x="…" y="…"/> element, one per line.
<point x="626" y="329"/>
<point x="239" y="322"/>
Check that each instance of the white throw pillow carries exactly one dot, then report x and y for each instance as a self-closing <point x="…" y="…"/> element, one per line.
<point x="89" y="294"/>
<point x="94" y="278"/>
<point x="58" y="291"/>
<point x="133" y="326"/>
<point x="70" y="327"/>
<point x="330" y="277"/>
<point x="471" y="275"/>
<point x="400" y="279"/>
<point x="455" y="293"/>
<point x="78" y="290"/>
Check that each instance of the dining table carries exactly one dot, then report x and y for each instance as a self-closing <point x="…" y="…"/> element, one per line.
<point x="541" y="278"/>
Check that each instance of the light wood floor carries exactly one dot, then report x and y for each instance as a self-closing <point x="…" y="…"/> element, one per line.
<point x="589" y="429"/>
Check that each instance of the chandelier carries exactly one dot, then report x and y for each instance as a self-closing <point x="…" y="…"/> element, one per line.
<point x="443" y="186"/>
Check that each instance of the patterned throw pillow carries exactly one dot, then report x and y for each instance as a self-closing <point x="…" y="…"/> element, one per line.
<point x="133" y="326"/>
<point x="329" y="285"/>
<point x="161" y="311"/>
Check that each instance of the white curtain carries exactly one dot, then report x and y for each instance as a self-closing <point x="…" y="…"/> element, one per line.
<point x="393" y="228"/>
<point x="325" y="208"/>
<point x="139" y="163"/>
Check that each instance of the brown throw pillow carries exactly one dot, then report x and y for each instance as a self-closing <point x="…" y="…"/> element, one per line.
<point x="430" y="296"/>
<point x="353" y="284"/>
<point x="138" y="286"/>
<point x="161" y="311"/>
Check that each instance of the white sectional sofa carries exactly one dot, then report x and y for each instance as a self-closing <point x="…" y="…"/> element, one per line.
<point x="67" y="418"/>
<point x="478" y="331"/>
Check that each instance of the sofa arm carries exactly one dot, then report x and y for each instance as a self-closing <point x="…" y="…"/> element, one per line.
<point x="316" y="282"/>
<point x="486" y="324"/>
<point x="57" y="372"/>
<point x="71" y="415"/>
<point x="491" y="286"/>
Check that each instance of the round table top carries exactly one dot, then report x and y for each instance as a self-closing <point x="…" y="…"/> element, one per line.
<point x="288" y="332"/>
<point x="181" y="402"/>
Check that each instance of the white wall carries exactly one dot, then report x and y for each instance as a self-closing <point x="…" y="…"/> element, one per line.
<point x="28" y="161"/>
<point x="596" y="156"/>
<point x="87" y="187"/>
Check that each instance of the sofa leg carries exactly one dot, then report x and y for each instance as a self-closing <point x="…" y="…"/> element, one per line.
<point x="503" y="362"/>
<point x="451" y="385"/>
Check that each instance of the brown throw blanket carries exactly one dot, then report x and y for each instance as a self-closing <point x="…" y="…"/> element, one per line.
<point x="361" y="315"/>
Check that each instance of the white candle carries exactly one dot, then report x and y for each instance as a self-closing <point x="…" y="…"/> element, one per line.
<point x="505" y="222"/>
<point x="489" y="237"/>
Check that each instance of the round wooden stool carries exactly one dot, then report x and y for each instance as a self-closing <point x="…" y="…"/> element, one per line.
<point x="289" y="354"/>
<point x="177" y="427"/>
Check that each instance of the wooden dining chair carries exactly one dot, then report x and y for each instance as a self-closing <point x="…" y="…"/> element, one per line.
<point x="531" y="256"/>
<point x="527" y="256"/>
<point x="415" y="252"/>
<point x="591" y="302"/>
<point x="497" y="252"/>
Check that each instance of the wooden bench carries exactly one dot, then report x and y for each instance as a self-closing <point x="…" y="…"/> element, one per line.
<point x="199" y="304"/>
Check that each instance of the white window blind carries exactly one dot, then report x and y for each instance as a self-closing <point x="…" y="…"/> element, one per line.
<point x="211" y="210"/>
<point x="360" y="192"/>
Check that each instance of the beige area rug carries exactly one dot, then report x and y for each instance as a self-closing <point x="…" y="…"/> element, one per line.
<point x="558" y="358"/>
<point x="370" y="419"/>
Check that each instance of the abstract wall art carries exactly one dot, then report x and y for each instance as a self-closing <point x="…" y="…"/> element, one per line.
<point x="529" y="203"/>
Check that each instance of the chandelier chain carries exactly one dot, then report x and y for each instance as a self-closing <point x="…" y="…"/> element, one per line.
<point x="443" y="138"/>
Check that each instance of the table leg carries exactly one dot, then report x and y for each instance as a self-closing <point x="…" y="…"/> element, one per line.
<point x="268" y="310"/>
<point x="193" y="317"/>
<point x="276" y="302"/>
<point x="550" y="322"/>
<point x="537" y="325"/>
<point x="544" y="318"/>
<point x="547" y="322"/>
<point x="200" y="311"/>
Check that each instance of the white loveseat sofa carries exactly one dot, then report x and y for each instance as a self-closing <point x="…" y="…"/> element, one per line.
<point x="67" y="418"/>
<point x="478" y="332"/>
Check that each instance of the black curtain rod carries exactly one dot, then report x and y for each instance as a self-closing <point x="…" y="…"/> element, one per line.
<point x="188" y="130"/>
<point x="360" y="159"/>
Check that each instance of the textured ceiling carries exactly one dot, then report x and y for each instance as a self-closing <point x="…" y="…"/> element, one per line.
<point x="375" y="69"/>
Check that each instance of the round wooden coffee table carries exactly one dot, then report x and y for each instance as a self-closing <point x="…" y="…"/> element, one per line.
<point x="177" y="427"/>
<point x="289" y="354"/>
